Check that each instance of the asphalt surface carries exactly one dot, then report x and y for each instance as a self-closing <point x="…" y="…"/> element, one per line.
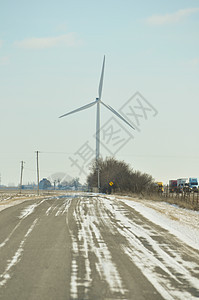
<point x="91" y="247"/>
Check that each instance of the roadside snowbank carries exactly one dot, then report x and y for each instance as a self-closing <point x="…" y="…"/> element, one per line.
<point x="182" y="223"/>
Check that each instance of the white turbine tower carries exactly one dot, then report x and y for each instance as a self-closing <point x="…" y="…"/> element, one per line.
<point x="97" y="102"/>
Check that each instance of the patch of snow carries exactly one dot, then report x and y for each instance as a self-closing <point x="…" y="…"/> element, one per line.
<point x="88" y="236"/>
<point x="180" y="222"/>
<point x="149" y="255"/>
<point x="30" y="209"/>
<point x="5" y="276"/>
<point x="27" y="211"/>
<point x="9" y="236"/>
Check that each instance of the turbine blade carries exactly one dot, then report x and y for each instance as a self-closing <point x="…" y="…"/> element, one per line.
<point x="101" y="80"/>
<point x="79" y="109"/>
<point x="117" y="114"/>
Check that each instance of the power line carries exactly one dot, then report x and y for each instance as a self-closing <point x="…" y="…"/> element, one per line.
<point x="54" y="152"/>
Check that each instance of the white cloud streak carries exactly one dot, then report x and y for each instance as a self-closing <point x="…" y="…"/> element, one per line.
<point x="171" y="18"/>
<point x="67" y="40"/>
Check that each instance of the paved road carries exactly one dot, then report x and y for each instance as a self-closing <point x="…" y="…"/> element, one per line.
<point x="91" y="247"/>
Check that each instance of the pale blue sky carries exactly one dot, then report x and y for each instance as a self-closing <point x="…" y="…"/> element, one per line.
<point x="51" y="56"/>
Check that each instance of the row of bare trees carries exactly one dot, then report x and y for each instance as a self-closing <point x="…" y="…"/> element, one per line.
<point x="120" y="177"/>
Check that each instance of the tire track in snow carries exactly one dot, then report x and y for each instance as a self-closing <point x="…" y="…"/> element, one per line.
<point x="10" y="235"/>
<point x="54" y="208"/>
<point x="164" y="269"/>
<point x="63" y="208"/>
<point x="6" y="275"/>
<point x="89" y="240"/>
<point x="27" y="211"/>
<point x="30" y="209"/>
<point x="24" y="213"/>
<point x="58" y="209"/>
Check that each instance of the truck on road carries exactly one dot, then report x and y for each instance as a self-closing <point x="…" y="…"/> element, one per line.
<point x="187" y="185"/>
<point x="160" y="187"/>
<point x="172" y="186"/>
<point x="193" y="184"/>
<point x="182" y="185"/>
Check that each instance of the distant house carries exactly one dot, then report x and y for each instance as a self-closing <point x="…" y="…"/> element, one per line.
<point x="44" y="184"/>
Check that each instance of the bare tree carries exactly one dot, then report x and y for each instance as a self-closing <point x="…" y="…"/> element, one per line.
<point x="119" y="176"/>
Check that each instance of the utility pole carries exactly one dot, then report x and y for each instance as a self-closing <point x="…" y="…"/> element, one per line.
<point x="37" y="153"/>
<point x="21" y="177"/>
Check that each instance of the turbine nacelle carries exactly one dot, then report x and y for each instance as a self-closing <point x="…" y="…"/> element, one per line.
<point x="98" y="100"/>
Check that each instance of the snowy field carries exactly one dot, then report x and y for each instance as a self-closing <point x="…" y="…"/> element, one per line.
<point x="8" y="199"/>
<point x="11" y="198"/>
<point x="181" y="222"/>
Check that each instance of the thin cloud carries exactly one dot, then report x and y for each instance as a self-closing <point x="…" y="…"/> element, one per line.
<point x="4" y="60"/>
<point x="171" y="18"/>
<point x="67" y="40"/>
<point x="1" y="43"/>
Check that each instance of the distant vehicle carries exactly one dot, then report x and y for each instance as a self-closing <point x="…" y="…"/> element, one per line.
<point x="172" y="186"/>
<point x="182" y="185"/>
<point x="160" y="187"/>
<point x="193" y="184"/>
<point x="187" y="185"/>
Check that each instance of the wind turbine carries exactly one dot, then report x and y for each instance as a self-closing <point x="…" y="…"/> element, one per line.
<point x="97" y="102"/>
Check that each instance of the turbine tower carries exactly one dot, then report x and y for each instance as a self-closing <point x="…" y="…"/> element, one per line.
<point x="97" y="102"/>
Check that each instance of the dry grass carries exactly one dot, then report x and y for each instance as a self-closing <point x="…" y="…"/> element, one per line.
<point x="181" y="202"/>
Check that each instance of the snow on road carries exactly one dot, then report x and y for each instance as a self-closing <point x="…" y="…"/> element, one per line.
<point x="153" y="235"/>
<point x="162" y="259"/>
<point x="182" y="223"/>
<point x="153" y="251"/>
<point x="88" y="225"/>
<point x="5" y="276"/>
